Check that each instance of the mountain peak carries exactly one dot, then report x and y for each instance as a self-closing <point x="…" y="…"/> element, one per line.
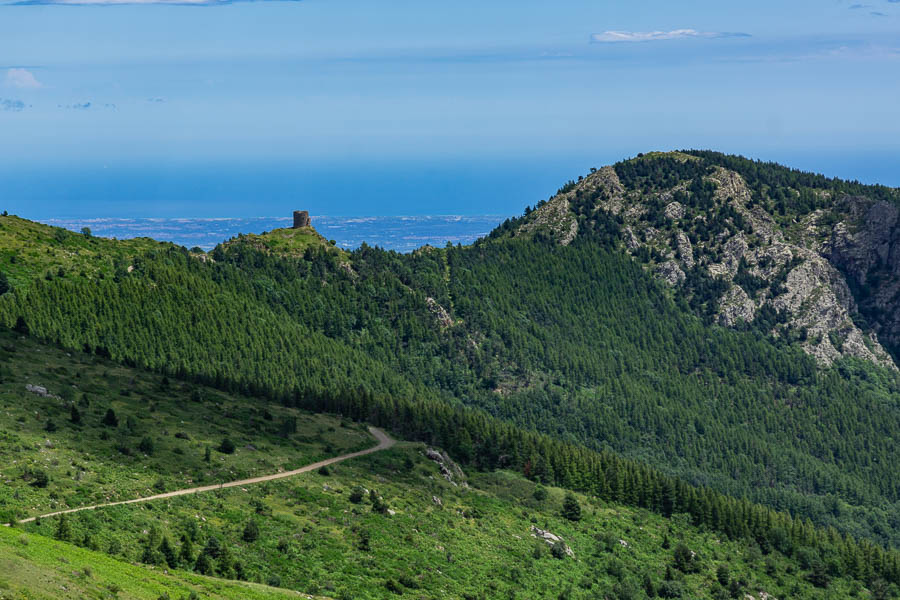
<point x="748" y="244"/>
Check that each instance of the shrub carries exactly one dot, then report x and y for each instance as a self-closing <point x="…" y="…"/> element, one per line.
<point x="251" y="531"/>
<point x="146" y="445"/>
<point x="571" y="509"/>
<point x="110" y="419"/>
<point x="357" y="494"/>
<point x="227" y="446"/>
<point x="558" y="550"/>
<point x="39" y="478"/>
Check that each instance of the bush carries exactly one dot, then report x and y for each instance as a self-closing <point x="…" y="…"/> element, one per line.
<point x="558" y="550"/>
<point x="146" y="446"/>
<point x="571" y="509"/>
<point x="226" y="447"/>
<point x="251" y="531"/>
<point x="39" y="478"/>
<point x="357" y="494"/>
<point x="670" y="589"/>
<point x="110" y="419"/>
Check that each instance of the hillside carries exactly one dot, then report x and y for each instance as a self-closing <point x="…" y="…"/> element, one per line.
<point x="569" y="363"/>
<point x="750" y="244"/>
<point x="575" y="341"/>
<point x="287" y="242"/>
<point x="32" y="250"/>
<point x="407" y="521"/>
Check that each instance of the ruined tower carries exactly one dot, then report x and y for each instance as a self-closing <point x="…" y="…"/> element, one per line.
<point x="301" y="219"/>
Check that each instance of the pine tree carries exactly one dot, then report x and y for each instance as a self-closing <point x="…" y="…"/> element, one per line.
<point x="251" y="531"/>
<point x="571" y="509"/>
<point x="186" y="553"/>
<point x="203" y="564"/>
<point x="63" y="531"/>
<point x="168" y="552"/>
<point x="110" y="419"/>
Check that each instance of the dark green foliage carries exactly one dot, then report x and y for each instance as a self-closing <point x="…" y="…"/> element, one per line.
<point x="75" y="415"/>
<point x="21" y="326"/>
<point x="226" y="447"/>
<point x="63" y="530"/>
<point x="168" y="553"/>
<point x="203" y="565"/>
<point x="357" y="494"/>
<point x="571" y="510"/>
<point x="146" y="445"/>
<point x="50" y="426"/>
<point x="186" y="552"/>
<point x="251" y="531"/>
<point x="4" y="284"/>
<point x="576" y="342"/>
<point x="38" y="477"/>
<point x="684" y="560"/>
<point x="558" y="550"/>
<point x="722" y="575"/>
<point x="110" y="419"/>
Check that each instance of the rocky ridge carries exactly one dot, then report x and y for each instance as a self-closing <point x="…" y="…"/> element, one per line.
<point x="799" y="275"/>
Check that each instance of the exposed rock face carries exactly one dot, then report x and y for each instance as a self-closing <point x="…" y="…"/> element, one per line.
<point x="39" y="390"/>
<point x="449" y="469"/>
<point x="551" y="539"/>
<point x="555" y="218"/>
<point x="440" y="313"/>
<point x="866" y="248"/>
<point x="670" y="272"/>
<point x="809" y="271"/>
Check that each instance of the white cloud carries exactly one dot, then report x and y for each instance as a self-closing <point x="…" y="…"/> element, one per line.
<point x="22" y="79"/>
<point x="608" y="37"/>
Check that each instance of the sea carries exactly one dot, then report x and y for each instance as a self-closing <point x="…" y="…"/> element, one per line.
<point x="403" y="234"/>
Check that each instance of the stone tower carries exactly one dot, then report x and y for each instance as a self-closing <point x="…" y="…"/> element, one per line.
<point x="301" y="219"/>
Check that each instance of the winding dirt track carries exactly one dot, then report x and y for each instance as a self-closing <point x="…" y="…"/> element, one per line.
<point x="384" y="442"/>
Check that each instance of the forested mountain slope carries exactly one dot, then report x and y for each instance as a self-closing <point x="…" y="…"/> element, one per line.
<point x="407" y="521"/>
<point x="749" y="244"/>
<point x="577" y="341"/>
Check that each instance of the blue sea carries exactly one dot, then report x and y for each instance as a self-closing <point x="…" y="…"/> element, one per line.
<point x="403" y="234"/>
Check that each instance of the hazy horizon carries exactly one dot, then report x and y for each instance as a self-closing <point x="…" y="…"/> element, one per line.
<point x="156" y="108"/>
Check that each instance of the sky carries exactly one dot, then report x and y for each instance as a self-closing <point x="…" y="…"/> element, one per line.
<point x="218" y="108"/>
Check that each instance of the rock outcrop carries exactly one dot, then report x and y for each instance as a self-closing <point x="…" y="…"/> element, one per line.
<point x="551" y="539"/>
<point x="833" y="284"/>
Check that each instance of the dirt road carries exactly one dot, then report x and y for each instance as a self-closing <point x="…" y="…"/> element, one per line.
<point x="384" y="442"/>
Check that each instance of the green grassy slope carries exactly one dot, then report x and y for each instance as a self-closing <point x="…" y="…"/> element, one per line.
<point x="288" y="242"/>
<point x="34" y="567"/>
<point x="30" y="250"/>
<point x="158" y="444"/>
<point x="477" y="543"/>
<point x="311" y="536"/>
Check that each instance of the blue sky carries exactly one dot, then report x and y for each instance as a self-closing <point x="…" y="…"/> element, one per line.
<point x="155" y="109"/>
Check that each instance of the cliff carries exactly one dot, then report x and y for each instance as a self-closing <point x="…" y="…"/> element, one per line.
<point x="749" y="244"/>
